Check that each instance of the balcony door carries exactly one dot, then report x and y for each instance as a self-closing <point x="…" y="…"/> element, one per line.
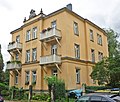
<point x="54" y="72"/>
<point x="54" y="49"/>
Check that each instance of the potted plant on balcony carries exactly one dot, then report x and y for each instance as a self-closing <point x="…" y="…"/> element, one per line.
<point x="15" y="61"/>
<point x="13" y="42"/>
<point x="44" y="30"/>
<point x="8" y="62"/>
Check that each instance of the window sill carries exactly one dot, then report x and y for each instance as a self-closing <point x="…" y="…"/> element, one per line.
<point x="92" y="40"/>
<point x="100" y="44"/>
<point x="77" y="58"/>
<point x="27" y="41"/>
<point x="78" y="83"/>
<point x="77" y="34"/>
<point x="27" y="83"/>
<point x="34" y="39"/>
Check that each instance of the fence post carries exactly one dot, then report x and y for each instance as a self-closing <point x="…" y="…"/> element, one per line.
<point x="30" y="92"/>
<point x="83" y="88"/>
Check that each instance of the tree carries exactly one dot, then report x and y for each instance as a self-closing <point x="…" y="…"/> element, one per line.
<point x="1" y="66"/>
<point x="113" y="44"/>
<point x="56" y="88"/>
<point x="107" y="71"/>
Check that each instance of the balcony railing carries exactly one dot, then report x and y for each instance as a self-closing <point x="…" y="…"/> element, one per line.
<point x="50" y="34"/>
<point x="50" y="59"/>
<point x="15" y="45"/>
<point x="13" y="65"/>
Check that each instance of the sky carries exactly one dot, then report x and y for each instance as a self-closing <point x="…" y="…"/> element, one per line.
<point x="104" y="13"/>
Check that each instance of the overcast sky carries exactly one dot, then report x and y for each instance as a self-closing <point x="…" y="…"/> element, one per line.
<point x="104" y="13"/>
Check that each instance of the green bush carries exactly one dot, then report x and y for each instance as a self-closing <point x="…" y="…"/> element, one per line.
<point x="40" y="97"/>
<point x="94" y="88"/>
<point x="57" y="86"/>
<point x="60" y="89"/>
<point x="5" y="92"/>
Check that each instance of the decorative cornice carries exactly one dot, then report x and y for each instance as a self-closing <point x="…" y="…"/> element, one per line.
<point x="77" y="60"/>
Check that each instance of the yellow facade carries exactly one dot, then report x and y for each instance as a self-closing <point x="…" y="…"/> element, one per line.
<point x="60" y="59"/>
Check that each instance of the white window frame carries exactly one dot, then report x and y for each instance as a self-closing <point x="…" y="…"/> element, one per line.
<point x="99" y="39"/>
<point x="91" y="35"/>
<point x="55" y="72"/>
<point x="77" y="51"/>
<point x="28" y="35"/>
<point x="54" y="24"/>
<point x="17" y="57"/>
<point x="16" y="78"/>
<point x="77" y="76"/>
<point x="34" y="76"/>
<point x="54" y="49"/>
<point x="27" y="76"/>
<point x="18" y="38"/>
<point x="34" y="33"/>
<point x="100" y="56"/>
<point x="34" y="54"/>
<point x="28" y="56"/>
<point x="76" y="32"/>
<point x="93" y="55"/>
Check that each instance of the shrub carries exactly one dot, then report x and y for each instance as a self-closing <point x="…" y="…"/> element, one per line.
<point x="57" y="86"/>
<point x="94" y="88"/>
<point x="5" y="92"/>
<point x="40" y="97"/>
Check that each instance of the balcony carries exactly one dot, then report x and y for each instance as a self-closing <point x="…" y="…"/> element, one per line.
<point x="14" y="46"/>
<point x="50" y="59"/>
<point x="50" y="34"/>
<point x="13" y="65"/>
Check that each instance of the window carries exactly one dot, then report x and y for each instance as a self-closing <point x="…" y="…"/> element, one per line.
<point x="54" y="49"/>
<point x="76" y="28"/>
<point x="28" y="56"/>
<point x="27" y="77"/>
<point x="28" y="35"/>
<point x="34" y="33"/>
<point x="17" y="56"/>
<point x="18" y="38"/>
<point x="100" y="56"/>
<point x="84" y="99"/>
<point x="53" y="24"/>
<point x="54" y="72"/>
<point x="95" y="99"/>
<point x="91" y="35"/>
<point x="34" y="77"/>
<point x="16" y="78"/>
<point x="34" y="54"/>
<point x="77" y="75"/>
<point x="99" y="39"/>
<point x="104" y="100"/>
<point x="93" y="55"/>
<point x="77" y="51"/>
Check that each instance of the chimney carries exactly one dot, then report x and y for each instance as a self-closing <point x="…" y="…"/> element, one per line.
<point x="69" y="6"/>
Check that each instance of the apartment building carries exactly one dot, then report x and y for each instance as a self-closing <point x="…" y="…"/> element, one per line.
<point x="61" y="43"/>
